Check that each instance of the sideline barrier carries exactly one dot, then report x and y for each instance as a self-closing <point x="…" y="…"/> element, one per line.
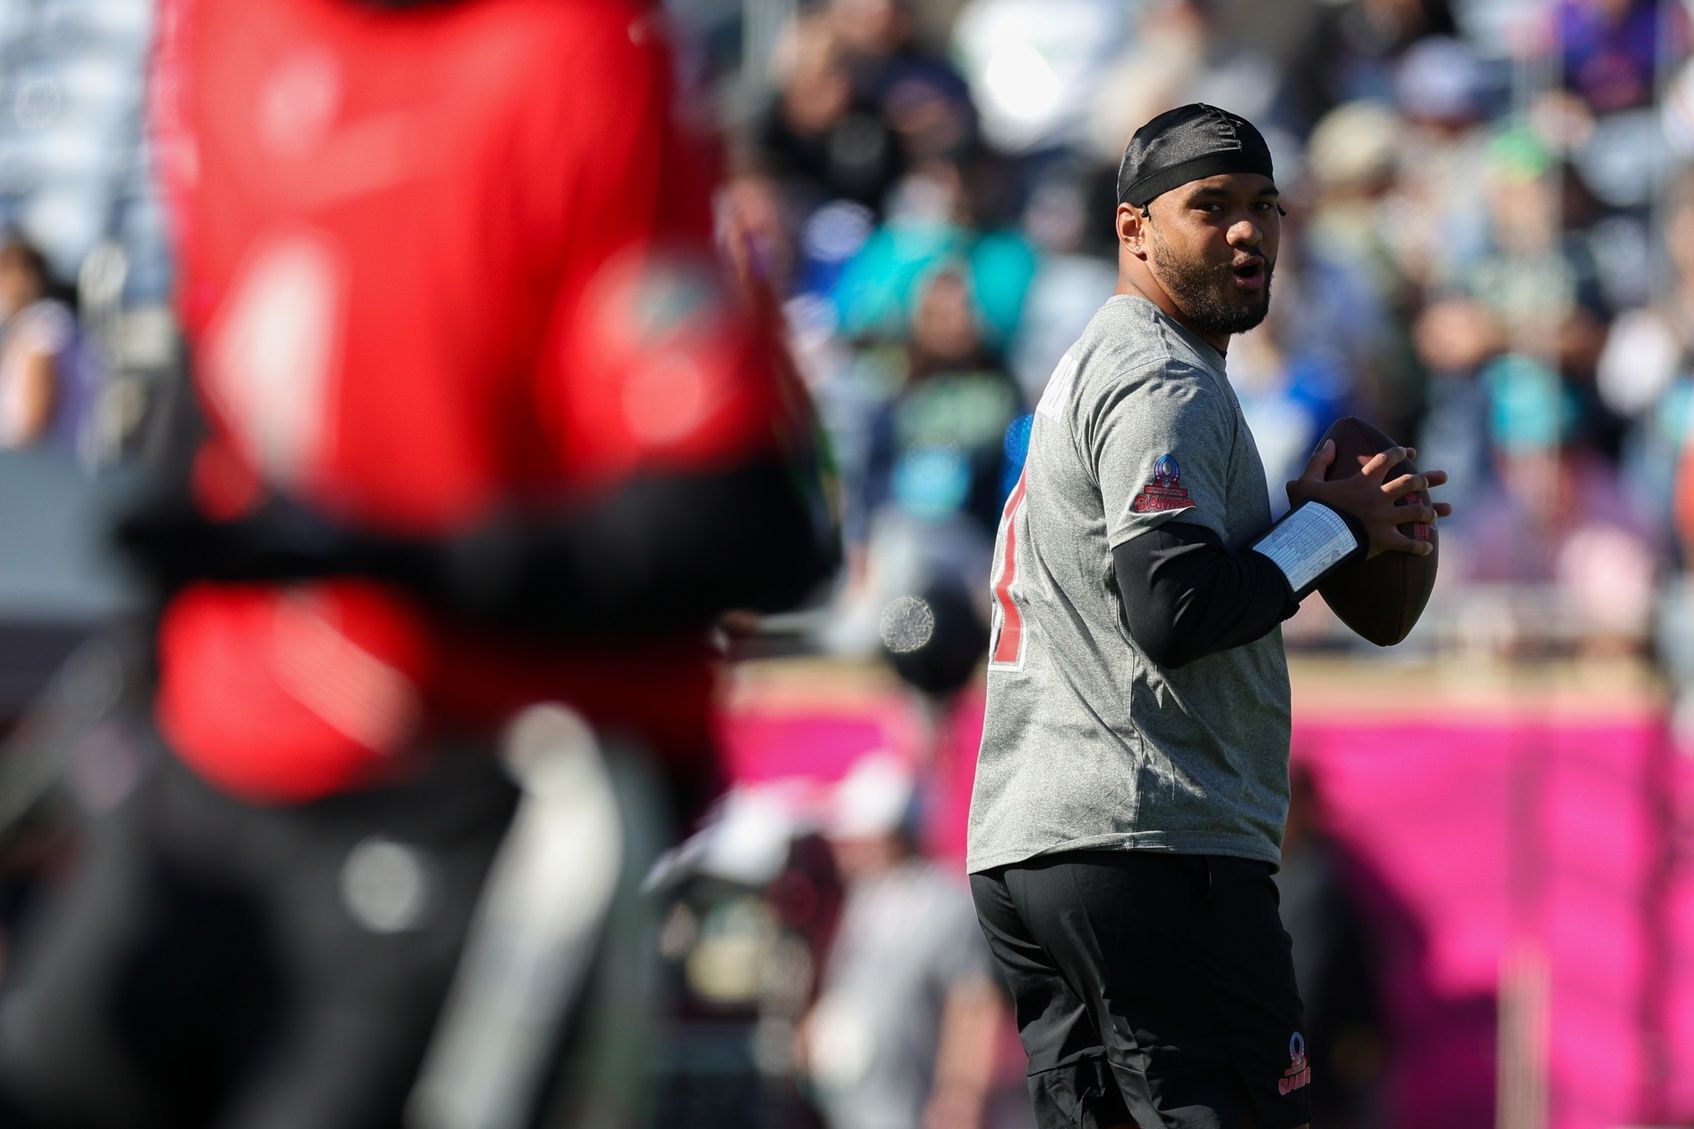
<point x="1503" y="824"/>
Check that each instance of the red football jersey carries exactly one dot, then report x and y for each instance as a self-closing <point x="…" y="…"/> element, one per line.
<point x="433" y="264"/>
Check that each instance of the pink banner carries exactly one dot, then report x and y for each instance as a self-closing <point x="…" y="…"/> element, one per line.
<point x="1499" y="835"/>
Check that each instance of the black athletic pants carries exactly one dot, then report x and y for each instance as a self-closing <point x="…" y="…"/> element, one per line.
<point x="215" y="963"/>
<point x="1150" y="986"/>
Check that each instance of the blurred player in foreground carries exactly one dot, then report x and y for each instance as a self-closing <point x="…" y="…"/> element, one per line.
<point x="483" y="426"/>
<point x="1133" y="779"/>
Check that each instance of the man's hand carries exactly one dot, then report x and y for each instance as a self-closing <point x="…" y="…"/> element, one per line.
<point x="1372" y="500"/>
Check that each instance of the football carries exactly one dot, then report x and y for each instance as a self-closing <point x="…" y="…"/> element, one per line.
<point x="1381" y="598"/>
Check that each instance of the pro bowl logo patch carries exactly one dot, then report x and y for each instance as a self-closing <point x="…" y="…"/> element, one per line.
<point x="1299" y="1072"/>
<point x="1165" y="492"/>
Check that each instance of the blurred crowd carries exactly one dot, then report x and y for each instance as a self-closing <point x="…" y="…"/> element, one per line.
<point x="1491" y="209"/>
<point x="1488" y="256"/>
<point x="1488" y="259"/>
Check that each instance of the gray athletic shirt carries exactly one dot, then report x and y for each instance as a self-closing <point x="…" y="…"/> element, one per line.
<point x="1088" y="743"/>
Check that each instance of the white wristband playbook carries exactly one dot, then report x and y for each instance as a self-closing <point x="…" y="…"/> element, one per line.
<point x="1308" y="542"/>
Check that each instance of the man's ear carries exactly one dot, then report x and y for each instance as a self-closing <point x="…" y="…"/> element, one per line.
<point x="1132" y="230"/>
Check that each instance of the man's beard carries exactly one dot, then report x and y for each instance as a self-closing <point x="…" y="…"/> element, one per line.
<point x="1207" y="294"/>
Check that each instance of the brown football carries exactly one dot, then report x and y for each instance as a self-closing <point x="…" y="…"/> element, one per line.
<point x="1380" y="598"/>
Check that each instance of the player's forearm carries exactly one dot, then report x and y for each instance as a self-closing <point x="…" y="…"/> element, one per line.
<point x="658" y="553"/>
<point x="1185" y="596"/>
<point x="965" y="1059"/>
<point x="664" y="551"/>
<point x="30" y="399"/>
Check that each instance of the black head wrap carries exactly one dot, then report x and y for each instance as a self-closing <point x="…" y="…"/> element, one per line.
<point x="1188" y="143"/>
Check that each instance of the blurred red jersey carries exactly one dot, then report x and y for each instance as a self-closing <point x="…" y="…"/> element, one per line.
<point x="434" y="264"/>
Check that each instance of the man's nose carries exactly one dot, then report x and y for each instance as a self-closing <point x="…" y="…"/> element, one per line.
<point x="1244" y="233"/>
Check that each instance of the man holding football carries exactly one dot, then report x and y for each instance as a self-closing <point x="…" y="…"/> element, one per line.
<point x="1133" y="780"/>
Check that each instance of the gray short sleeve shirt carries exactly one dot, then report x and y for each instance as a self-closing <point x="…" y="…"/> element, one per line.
<point x="1087" y="743"/>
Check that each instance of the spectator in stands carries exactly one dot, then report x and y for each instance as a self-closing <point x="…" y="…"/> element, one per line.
<point x="46" y="386"/>
<point x="1364" y="40"/>
<point x="953" y="207"/>
<point x="1556" y="515"/>
<point x="819" y="136"/>
<point x="1609" y="49"/>
<point x="1353" y="161"/>
<point x="934" y="475"/>
<point x="904" y="1031"/>
<point x="937" y="449"/>
<point x="1645" y="373"/>
<point x="914" y="89"/>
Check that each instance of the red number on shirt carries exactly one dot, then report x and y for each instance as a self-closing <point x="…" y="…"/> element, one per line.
<point x="1005" y="649"/>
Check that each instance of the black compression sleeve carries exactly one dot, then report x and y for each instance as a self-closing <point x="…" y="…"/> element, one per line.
<point x="1185" y="596"/>
<point x="659" y="553"/>
<point x="664" y="551"/>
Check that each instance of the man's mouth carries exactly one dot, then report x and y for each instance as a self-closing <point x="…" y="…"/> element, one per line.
<point x="1250" y="274"/>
